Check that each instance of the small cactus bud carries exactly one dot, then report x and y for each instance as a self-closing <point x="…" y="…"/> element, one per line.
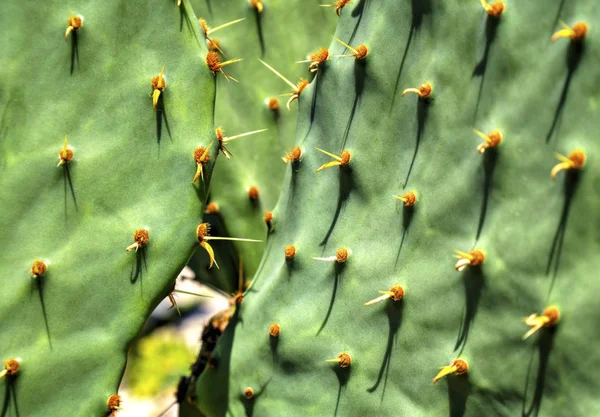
<point x="269" y="220"/>
<point x="158" y="85"/>
<point x="290" y="252"/>
<point x="274" y="329"/>
<point x="341" y="255"/>
<point x="339" y="5"/>
<point x="316" y="59"/>
<point x="75" y="23"/>
<point x="293" y="156"/>
<point x="140" y="238"/>
<point x="253" y="193"/>
<point x="577" y="33"/>
<point x="114" y="402"/>
<point x="491" y="140"/>
<point x="473" y="258"/>
<point x="343" y="359"/>
<point x="549" y="318"/>
<point x="575" y="160"/>
<point x="424" y="91"/>
<point x="342" y="160"/>
<point x="38" y="268"/>
<point x="458" y="367"/>
<point x="11" y="367"/>
<point x="268" y="217"/>
<point x="396" y="293"/>
<point x="65" y="154"/>
<point x="248" y="393"/>
<point x="201" y="156"/>
<point x="213" y="61"/>
<point x="409" y="199"/>
<point x="272" y="103"/>
<point x="212" y="208"/>
<point x="360" y="52"/>
<point x="495" y="9"/>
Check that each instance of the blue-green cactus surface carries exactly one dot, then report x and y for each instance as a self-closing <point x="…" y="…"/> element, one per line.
<point x="539" y="236"/>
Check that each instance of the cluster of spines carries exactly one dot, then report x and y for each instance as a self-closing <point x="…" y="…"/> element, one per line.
<point x="215" y="53"/>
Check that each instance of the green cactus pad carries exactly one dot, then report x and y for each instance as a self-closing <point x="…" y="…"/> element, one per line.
<point x="72" y="326"/>
<point x="539" y="236"/>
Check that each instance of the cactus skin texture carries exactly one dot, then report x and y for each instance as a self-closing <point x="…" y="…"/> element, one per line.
<point x="73" y="324"/>
<point x="290" y="30"/>
<point x="539" y="236"/>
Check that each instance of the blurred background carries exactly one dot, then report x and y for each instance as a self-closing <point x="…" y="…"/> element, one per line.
<point x="168" y="346"/>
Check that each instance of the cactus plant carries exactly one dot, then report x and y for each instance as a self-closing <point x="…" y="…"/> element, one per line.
<point x="439" y="79"/>
<point x="433" y="128"/>
<point x="125" y="167"/>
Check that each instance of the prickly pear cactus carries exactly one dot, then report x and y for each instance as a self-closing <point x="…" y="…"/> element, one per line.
<point x="248" y="184"/>
<point x="73" y="297"/>
<point x="465" y="106"/>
